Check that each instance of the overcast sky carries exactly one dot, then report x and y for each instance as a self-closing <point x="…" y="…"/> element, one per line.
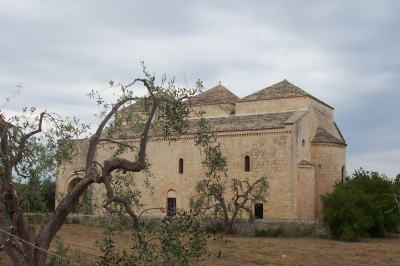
<point x="345" y="53"/>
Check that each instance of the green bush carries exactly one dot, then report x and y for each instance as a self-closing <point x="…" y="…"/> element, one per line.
<point x="361" y="207"/>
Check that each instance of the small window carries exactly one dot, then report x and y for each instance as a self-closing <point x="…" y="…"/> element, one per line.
<point x="343" y="173"/>
<point x="171" y="206"/>
<point x="258" y="211"/>
<point x="303" y="142"/>
<point x="247" y="163"/>
<point x="181" y="166"/>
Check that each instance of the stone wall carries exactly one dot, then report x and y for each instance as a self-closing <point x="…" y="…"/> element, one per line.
<point x="215" y="110"/>
<point x="294" y="190"/>
<point x="260" y="227"/>
<point x="275" y="105"/>
<point x="329" y="160"/>
<point x="306" y="192"/>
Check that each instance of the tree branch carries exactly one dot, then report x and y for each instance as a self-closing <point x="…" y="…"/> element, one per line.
<point x="117" y="142"/>
<point x="21" y="147"/>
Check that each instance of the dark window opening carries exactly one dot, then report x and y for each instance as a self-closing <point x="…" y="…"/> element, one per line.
<point x="247" y="163"/>
<point x="343" y="173"/>
<point x="181" y="166"/>
<point x="258" y="211"/>
<point x="303" y="142"/>
<point x="171" y="206"/>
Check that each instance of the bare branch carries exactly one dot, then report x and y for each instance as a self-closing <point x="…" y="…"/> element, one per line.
<point x="117" y="142"/>
<point x="95" y="138"/>
<point x="21" y="147"/>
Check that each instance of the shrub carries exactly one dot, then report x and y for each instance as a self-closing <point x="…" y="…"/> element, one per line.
<point x="361" y="207"/>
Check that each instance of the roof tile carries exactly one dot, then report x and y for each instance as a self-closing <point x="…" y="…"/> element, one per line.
<point x="322" y="136"/>
<point x="216" y="95"/>
<point x="283" y="89"/>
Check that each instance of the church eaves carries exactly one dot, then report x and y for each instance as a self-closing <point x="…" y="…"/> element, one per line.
<point x="283" y="89"/>
<point x="216" y="95"/>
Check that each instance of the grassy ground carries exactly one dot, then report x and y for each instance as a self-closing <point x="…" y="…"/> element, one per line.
<point x="256" y="251"/>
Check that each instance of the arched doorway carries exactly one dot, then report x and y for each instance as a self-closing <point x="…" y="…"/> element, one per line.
<point x="84" y="200"/>
<point x="171" y="202"/>
<point x="72" y="184"/>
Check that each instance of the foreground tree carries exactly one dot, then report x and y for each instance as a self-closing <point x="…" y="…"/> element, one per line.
<point x="218" y="194"/>
<point x="27" y="149"/>
<point x="179" y="239"/>
<point x="361" y="206"/>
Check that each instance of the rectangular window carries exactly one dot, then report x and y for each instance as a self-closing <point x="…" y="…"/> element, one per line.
<point x="247" y="163"/>
<point x="171" y="206"/>
<point x="258" y="211"/>
<point x="180" y="166"/>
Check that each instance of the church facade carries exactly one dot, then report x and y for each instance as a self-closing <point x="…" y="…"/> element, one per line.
<point x="280" y="132"/>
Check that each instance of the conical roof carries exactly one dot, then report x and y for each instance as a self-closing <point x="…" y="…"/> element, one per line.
<point x="216" y="95"/>
<point x="322" y="136"/>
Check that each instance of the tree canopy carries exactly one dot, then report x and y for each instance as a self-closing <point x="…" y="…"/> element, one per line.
<point x="364" y="205"/>
<point x="34" y="144"/>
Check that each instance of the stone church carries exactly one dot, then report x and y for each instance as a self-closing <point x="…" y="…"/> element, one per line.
<point x="281" y="132"/>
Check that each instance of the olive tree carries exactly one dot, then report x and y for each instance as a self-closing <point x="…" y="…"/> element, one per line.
<point x="217" y="193"/>
<point x="35" y="144"/>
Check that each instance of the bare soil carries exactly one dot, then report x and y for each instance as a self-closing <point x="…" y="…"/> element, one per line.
<point x="252" y="250"/>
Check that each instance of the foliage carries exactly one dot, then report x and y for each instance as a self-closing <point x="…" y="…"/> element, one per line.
<point x="62" y="250"/>
<point x="37" y="195"/>
<point x="214" y="191"/>
<point x="361" y="206"/>
<point x="34" y="145"/>
<point x="110" y="255"/>
<point x="179" y="240"/>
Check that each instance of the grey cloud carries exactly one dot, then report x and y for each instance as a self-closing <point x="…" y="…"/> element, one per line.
<point x="343" y="52"/>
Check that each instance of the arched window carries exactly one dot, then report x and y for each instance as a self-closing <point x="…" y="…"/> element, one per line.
<point x="180" y="166"/>
<point x="171" y="203"/>
<point x="70" y="187"/>
<point x="247" y="163"/>
<point x="258" y="211"/>
<point x="343" y="173"/>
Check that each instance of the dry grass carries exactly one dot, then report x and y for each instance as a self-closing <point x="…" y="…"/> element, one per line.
<point x="258" y="251"/>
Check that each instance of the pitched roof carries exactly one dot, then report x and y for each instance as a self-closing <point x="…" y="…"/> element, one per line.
<point x="283" y="89"/>
<point x="216" y="95"/>
<point x="246" y="122"/>
<point x="234" y="123"/>
<point x="322" y="136"/>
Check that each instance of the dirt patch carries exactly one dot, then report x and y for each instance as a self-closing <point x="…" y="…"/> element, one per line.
<point x="255" y="251"/>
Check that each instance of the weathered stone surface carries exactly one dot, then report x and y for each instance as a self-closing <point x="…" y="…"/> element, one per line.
<point x="282" y="137"/>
